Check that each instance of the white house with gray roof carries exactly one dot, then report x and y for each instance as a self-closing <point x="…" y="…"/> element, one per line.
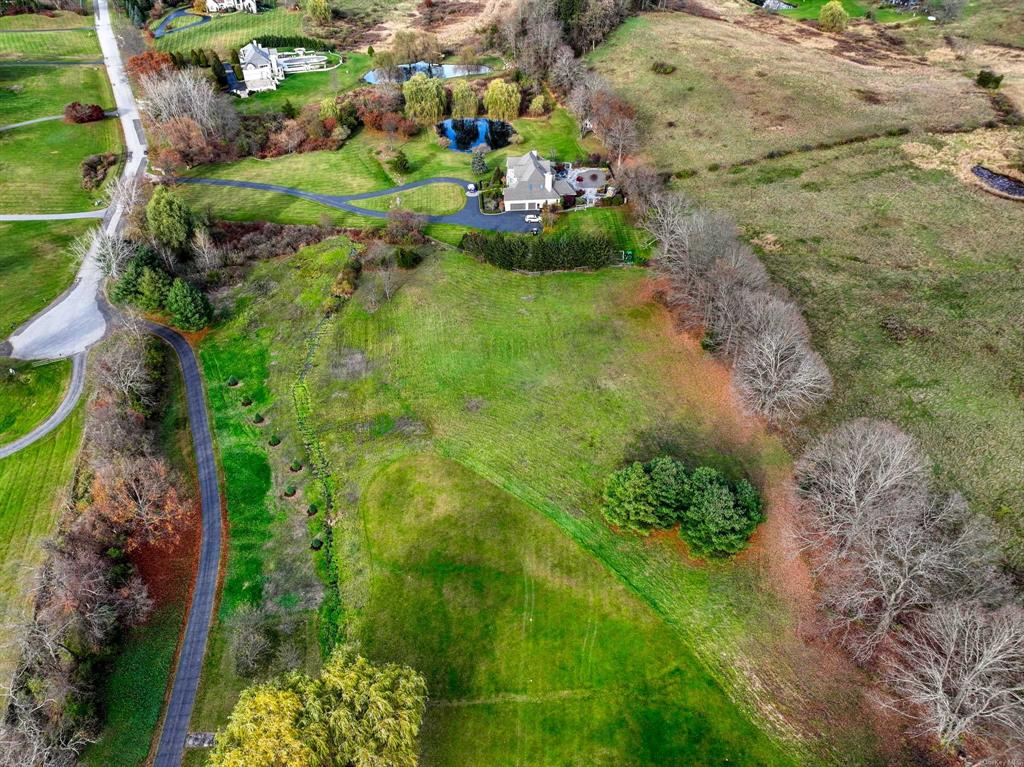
<point x="531" y="184"/>
<point x="261" y="67"/>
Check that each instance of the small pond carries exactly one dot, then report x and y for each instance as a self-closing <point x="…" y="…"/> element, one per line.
<point x="999" y="182"/>
<point x="403" y="72"/>
<point x="463" y="135"/>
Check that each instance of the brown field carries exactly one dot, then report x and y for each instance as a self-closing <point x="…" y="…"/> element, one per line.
<point x="749" y="84"/>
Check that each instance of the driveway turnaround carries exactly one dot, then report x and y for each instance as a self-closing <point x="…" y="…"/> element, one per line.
<point x="470" y="215"/>
<point x="162" y="29"/>
<point x="74" y="321"/>
<point x="204" y="594"/>
<point x="71" y="397"/>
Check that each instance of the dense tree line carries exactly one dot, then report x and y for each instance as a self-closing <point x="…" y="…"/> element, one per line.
<point x="89" y="592"/>
<point x="914" y="584"/>
<point x="544" y="252"/>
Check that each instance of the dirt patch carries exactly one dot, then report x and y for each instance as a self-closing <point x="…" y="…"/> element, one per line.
<point x="958" y="153"/>
<point x="350" y="365"/>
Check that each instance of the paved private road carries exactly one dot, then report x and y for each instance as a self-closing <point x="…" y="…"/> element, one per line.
<point x="63" y="410"/>
<point x="470" y="215"/>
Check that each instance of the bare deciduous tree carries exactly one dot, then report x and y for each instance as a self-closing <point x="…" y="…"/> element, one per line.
<point x="962" y="672"/>
<point x="122" y="370"/>
<point x="207" y="255"/>
<point x="184" y="93"/>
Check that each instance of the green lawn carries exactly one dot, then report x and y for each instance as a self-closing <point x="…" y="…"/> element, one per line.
<point x="310" y="86"/>
<point x="30" y="92"/>
<point x="60" y="20"/>
<point x="910" y="280"/>
<point x="40" y="165"/>
<point x="32" y="484"/>
<point x="532" y="651"/>
<point x="35" y="266"/>
<point x="540" y="386"/>
<point x="30" y="395"/>
<point x="72" y="45"/>
<point x="612" y="221"/>
<point x="435" y="199"/>
<point x="231" y="31"/>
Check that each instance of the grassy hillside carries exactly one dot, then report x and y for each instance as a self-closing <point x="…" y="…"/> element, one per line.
<point x="230" y="31"/>
<point x="538" y="386"/>
<point x="29" y="395"/>
<point x="70" y="45"/>
<point x="30" y="92"/>
<point x="41" y="165"/>
<point x="532" y="651"/>
<point x="35" y="266"/>
<point x="758" y="84"/>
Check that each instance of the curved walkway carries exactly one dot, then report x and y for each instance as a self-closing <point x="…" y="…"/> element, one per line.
<point x="161" y="28"/>
<point x="470" y="215"/>
<point x="71" y="397"/>
<point x="204" y="593"/>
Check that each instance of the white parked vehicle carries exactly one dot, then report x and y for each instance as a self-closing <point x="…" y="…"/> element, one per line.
<point x="532" y="219"/>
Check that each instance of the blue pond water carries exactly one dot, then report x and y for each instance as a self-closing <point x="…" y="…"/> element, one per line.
<point x="404" y="71"/>
<point x="464" y="135"/>
<point x="1004" y="184"/>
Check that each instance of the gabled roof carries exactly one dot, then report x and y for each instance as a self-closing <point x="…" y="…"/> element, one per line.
<point x="526" y="176"/>
<point x="254" y="55"/>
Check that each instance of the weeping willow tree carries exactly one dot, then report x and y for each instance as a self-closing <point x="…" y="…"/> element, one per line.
<point x="424" y="99"/>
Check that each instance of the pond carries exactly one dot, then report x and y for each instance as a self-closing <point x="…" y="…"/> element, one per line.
<point x="999" y="182"/>
<point x="403" y="72"/>
<point x="464" y="135"/>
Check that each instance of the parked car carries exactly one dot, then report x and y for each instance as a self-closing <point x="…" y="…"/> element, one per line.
<point x="532" y="219"/>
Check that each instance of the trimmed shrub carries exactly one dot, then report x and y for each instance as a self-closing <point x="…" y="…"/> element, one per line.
<point x="232" y="381"/>
<point x="246" y="401"/>
<point x="833" y="17"/>
<point x="663" y="68"/>
<point x="274" y="441"/>
<point x="290" y="491"/>
<point x="296" y="466"/>
<point x="258" y="418"/>
<point x="76" y="112"/>
<point x="311" y="510"/>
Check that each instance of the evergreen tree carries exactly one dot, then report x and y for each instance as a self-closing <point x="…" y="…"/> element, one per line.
<point x="189" y="308"/>
<point x="833" y="17"/>
<point x="169" y="219"/>
<point x="479" y="163"/>
<point x="153" y="287"/>
<point x="629" y="500"/>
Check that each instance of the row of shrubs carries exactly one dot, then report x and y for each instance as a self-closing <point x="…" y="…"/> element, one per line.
<point x="542" y="253"/>
<point x="145" y="284"/>
<point x="716" y="516"/>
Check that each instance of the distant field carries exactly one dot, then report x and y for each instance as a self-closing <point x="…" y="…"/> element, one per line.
<point x="28" y="398"/>
<point x="811" y="9"/>
<point x="232" y="30"/>
<point x="40" y="165"/>
<point x="912" y="284"/>
<point x="50" y="46"/>
<point x="35" y="266"/>
<point x="59" y="20"/>
<point x="30" y="92"/>
<point x="758" y="84"/>
<point x="32" y="482"/>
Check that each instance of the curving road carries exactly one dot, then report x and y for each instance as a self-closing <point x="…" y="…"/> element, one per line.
<point x="204" y="592"/>
<point x="56" y="418"/>
<point x="470" y="215"/>
<point x="162" y="30"/>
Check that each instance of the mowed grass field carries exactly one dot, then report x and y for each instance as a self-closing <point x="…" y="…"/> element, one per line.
<point x="32" y="484"/>
<point x="29" y="395"/>
<point x="69" y="45"/>
<point x="532" y="651"/>
<point x="41" y="165"/>
<point x="230" y="31"/>
<point x="433" y="199"/>
<point x="758" y="84"/>
<point x="35" y="266"/>
<point x="30" y="92"/>
<point x="911" y="281"/>
<point x="539" y="386"/>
